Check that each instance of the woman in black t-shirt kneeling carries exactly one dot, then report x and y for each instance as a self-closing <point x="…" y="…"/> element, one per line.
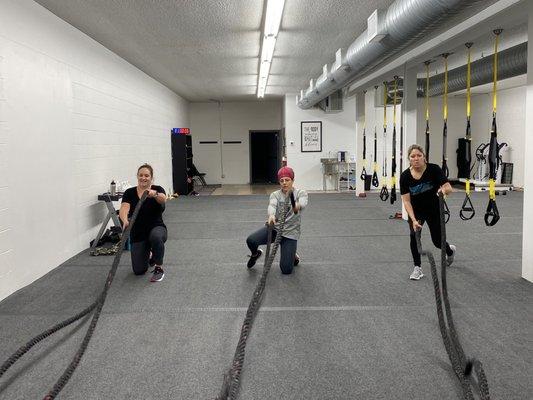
<point x="420" y="185"/>
<point x="149" y="233"/>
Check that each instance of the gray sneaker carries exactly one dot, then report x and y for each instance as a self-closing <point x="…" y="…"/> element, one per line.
<point x="416" y="274"/>
<point x="157" y="274"/>
<point x="449" y="259"/>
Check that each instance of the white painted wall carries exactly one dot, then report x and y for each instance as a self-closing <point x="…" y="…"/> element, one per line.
<point x="232" y="122"/>
<point x="73" y="116"/>
<point x="338" y="133"/>
<point x="511" y="126"/>
<point x="510" y="119"/>
<point x="527" y="225"/>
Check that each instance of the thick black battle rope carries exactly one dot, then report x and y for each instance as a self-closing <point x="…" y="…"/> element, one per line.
<point x="97" y="304"/>
<point x="231" y="384"/>
<point x="462" y="366"/>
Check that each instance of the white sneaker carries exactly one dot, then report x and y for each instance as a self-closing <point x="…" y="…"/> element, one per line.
<point x="449" y="259"/>
<point x="416" y="274"/>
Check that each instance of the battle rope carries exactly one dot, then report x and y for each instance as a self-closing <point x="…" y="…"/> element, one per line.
<point x="467" y="211"/>
<point x="445" y="169"/>
<point x="393" y="158"/>
<point x="363" y="172"/>
<point x="462" y="366"/>
<point x="427" y="110"/>
<point x="384" y="194"/>
<point x="97" y="306"/>
<point x="375" y="180"/>
<point x="492" y="215"/>
<point x="230" y="386"/>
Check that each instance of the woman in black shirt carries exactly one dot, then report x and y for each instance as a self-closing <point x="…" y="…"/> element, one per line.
<point x="149" y="233"/>
<point x="420" y="185"/>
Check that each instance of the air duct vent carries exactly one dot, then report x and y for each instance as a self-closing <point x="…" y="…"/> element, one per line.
<point x="333" y="103"/>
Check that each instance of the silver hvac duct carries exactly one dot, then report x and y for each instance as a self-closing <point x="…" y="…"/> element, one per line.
<point x="404" y="22"/>
<point x="511" y="62"/>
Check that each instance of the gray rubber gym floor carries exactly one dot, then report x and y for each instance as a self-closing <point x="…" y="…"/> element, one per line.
<point x="348" y="324"/>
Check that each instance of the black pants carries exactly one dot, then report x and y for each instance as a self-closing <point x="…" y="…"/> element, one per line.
<point x="140" y="251"/>
<point x="433" y="222"/>
<point x="288" y="247"/>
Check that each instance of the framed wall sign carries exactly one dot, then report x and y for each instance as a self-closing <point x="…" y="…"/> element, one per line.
<point x="311" y="139"/>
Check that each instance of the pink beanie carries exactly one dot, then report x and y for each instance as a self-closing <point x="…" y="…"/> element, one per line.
<point x="285" y="172"/>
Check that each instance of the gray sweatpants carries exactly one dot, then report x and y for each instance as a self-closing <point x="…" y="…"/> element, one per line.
<point x="288" y="247"/>
<point x="140" y="251"/>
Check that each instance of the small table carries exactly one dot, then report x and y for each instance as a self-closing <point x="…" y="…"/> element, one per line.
<point x="111" y="214"/>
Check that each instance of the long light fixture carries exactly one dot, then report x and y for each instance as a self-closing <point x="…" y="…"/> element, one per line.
<point x="273" y="16"/>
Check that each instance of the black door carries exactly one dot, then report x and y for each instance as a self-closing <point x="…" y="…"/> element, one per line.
<point x="264" y="150"/>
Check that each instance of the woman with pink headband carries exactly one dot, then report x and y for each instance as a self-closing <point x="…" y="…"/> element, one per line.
<point x="291" y="229"/>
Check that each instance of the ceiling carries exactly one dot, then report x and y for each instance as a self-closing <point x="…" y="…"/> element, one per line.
<point x="209" y="49"/>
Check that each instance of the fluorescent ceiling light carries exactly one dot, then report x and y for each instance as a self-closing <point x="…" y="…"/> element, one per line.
<point x="269" y="42"/>
<point x="273" y="17"/>
<point x="274" y="12"/>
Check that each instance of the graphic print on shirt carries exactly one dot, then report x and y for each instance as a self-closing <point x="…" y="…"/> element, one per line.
<point x="421" y="188"/>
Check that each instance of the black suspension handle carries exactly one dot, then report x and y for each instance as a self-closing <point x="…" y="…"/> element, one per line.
<point x="375" y="180"/>
<point x="492" y="215"/>
<point x="467" y="211"/>
<point x="384" y="194"/>
<point x="363" y="174"/>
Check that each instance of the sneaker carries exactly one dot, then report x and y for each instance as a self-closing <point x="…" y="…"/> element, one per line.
<point x="254" y="257"/>
<point x="296" y="259"/>
<point x="449" y="259"/>
<point x="416" y="274"/>
<point x="157" y="275"/>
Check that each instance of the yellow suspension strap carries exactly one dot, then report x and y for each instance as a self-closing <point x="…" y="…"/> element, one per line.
<point x="363" y="172"/>
<point x="492" y="216"/>
<point x="467" y="211"/>
<point x="393" y="158"/>
<point x="384" y="194"/>
<point x="427" y="109"/>
<point x="444" y="167"/>
<point x="375" y="180"/>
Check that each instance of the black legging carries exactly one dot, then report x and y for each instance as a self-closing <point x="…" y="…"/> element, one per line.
<point x="140" y="251"/>
<point x="433" y="222"/>
<point x="288" y="247"/>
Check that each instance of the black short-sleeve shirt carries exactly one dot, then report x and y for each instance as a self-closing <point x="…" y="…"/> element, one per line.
<point x="150" y="215"/>
<point x="423" y="191"/>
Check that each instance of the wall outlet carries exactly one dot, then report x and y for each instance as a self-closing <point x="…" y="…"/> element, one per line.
<point x="222" y="176"/>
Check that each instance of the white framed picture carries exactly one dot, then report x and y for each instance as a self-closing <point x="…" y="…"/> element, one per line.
<point x="311" y="139"/>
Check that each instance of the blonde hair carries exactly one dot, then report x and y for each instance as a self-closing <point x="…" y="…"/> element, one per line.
<point x="415" y="147"/>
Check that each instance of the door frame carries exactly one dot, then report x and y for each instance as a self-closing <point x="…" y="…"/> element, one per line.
<point x="265" y="131"/>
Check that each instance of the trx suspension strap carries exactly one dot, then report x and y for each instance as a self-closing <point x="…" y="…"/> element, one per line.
<point x="492" y="216"/>
<point x="375" y="180"/>
<point x="393" y="158"/>
<point x="363" y="172"/>
<point x="427" y="109"/>
<point x="462" y="365"/>
<point x="445" y="169"/>
<point x="467" y="211"/>
<point x="384" y="194"/>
